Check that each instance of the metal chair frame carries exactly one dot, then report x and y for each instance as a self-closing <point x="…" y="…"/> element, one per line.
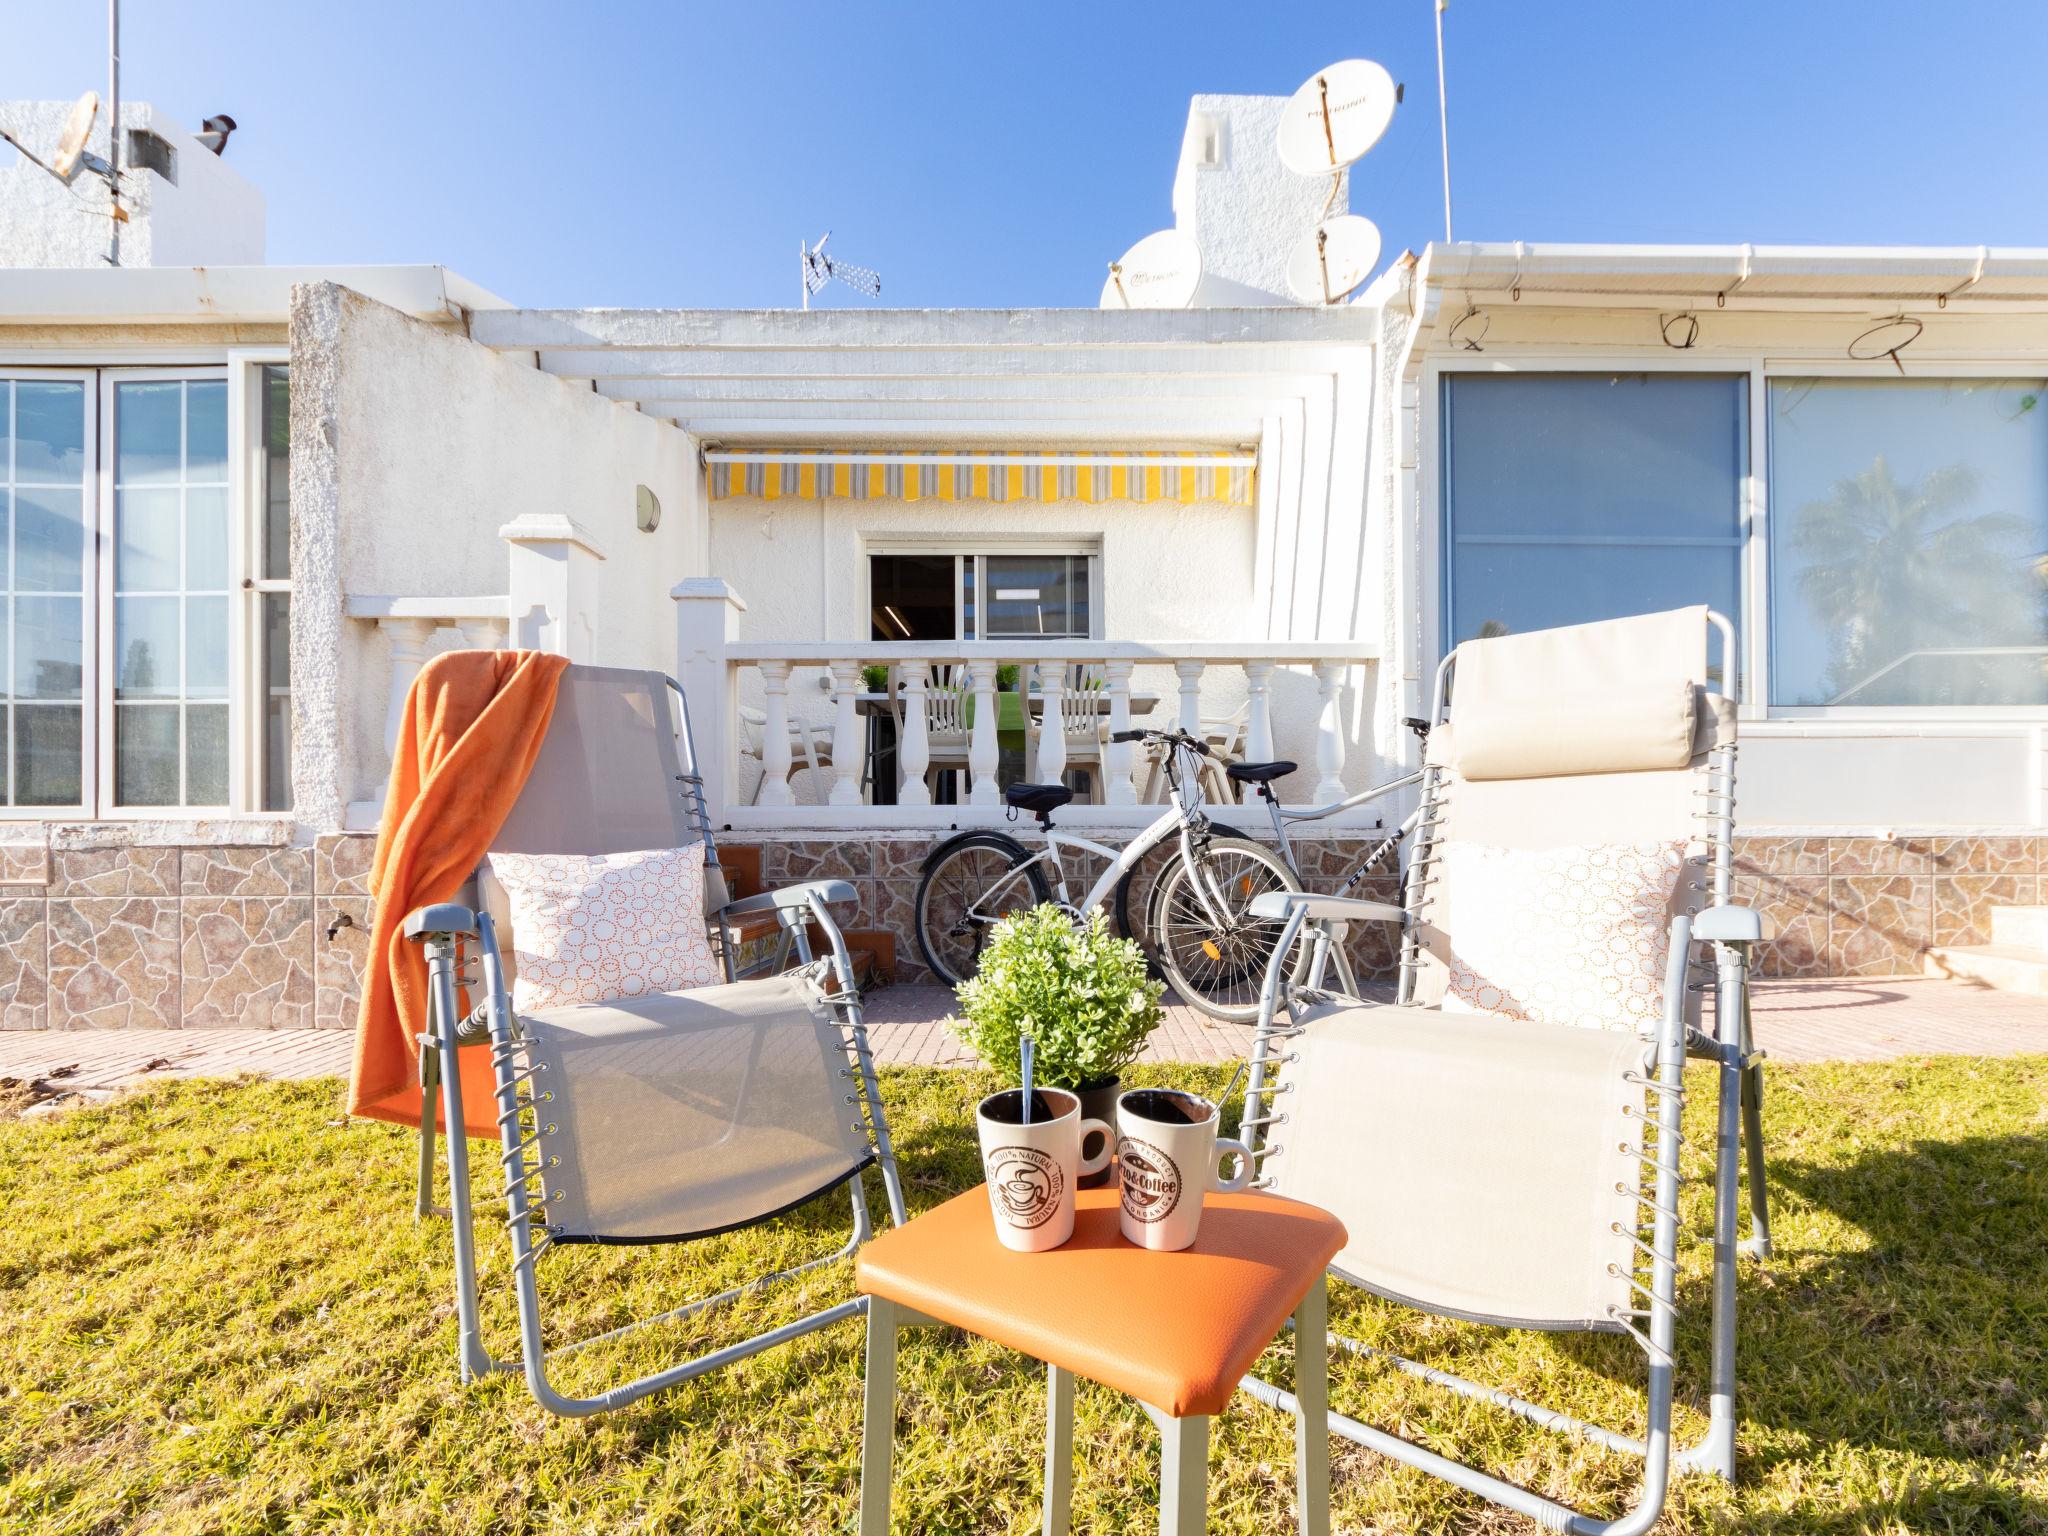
<point x="462" y="954"/>
<point x="1717" y="941"/>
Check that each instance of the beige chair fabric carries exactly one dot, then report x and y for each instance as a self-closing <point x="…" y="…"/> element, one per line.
<point x="1649" y="660"/>
<point x="1616" y="654"/>
<point x="689" y="1113"/>
<point x="1510" y="1217"/>
<point x="606" y="780"/>
<point x="1556" y="733"/>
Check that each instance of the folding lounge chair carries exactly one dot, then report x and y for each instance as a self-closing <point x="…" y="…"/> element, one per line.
<point x="1523" y="1172"/>
<point x="651" y="1119"/>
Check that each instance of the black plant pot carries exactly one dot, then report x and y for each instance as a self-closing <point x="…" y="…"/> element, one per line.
<point x="1098" y="1102"/>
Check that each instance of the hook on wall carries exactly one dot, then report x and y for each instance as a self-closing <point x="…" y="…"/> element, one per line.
<point x="1887" y="338"/>
<point x="1470" y="328"/>
<point x="1680" y="331"/>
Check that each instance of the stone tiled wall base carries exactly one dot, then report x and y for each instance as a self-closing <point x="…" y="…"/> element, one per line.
<point x="1861" y="906"/>
<point x="159" y="938"/>
<point x="164" y="938"/>
<point x="885" y="872"/>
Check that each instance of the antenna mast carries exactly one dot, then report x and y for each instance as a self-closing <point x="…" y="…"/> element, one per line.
<point x="1443" y="116"/>
<point x="114" y="132"/>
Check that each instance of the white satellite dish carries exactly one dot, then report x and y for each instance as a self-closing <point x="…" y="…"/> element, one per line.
<point x="1333" y="259"/>
<point x="1162" y="271"/>
<point x="1336" y="117"/>
<point x="77" y="127"/>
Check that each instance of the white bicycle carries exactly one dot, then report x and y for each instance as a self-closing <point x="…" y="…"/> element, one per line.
<point x="1201" y="930"/>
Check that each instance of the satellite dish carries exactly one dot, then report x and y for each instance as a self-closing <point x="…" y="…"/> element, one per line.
<point x="1333" y="259"/>
<point x="1336" y="117"/>
<point x="77" y="127"/>
<point x="1162" y="271"/>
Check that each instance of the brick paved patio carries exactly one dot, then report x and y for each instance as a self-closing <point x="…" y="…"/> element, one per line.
<point x="1828" y="1020"/>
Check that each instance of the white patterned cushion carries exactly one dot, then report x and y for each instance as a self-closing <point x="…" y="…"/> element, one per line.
<point x="1573" y="935"/>
<point x="590" y="928"/>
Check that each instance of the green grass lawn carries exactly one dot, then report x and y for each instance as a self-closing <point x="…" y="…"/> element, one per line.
<point x="216" y="1314"/>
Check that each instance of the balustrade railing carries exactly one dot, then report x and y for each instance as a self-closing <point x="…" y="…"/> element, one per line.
<point x="795" y="713"/>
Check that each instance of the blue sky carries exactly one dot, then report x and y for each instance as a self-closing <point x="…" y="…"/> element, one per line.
<point x="650" y="154"/>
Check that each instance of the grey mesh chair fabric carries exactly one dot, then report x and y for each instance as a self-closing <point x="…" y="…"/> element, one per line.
<point x="1509" y="1171"/>
<point x="662" y="1118"/>
<point x="686" y="1114"/>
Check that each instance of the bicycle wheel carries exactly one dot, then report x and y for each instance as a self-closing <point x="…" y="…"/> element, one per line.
<point x="1134" y="891"/>
<point x="964" y="893"/>
<point x="1218" y="962"/>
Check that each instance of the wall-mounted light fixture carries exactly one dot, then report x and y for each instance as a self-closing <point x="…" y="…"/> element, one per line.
<point x="646" y="509"/>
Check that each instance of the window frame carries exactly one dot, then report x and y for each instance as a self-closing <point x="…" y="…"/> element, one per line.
<point x="247" y="585"/>
<point x="95" y="371"/>
<point x="978" y="550"/>
<point x="88" y="744"/>
<point x="1763" y="366"/>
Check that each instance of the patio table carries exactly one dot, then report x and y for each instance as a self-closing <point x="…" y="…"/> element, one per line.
<point x="1177" y="1331"/>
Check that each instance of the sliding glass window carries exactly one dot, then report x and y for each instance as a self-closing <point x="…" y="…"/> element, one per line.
<point x="170" y="592"/>
<point x="1572" y="497"/>
<point x="44" y="482"/>
<point x="1909" y="542"/>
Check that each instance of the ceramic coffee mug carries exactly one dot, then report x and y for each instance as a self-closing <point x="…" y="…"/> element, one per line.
<point x="1167" y="1154"/>
<point x="1031" y="1169"/>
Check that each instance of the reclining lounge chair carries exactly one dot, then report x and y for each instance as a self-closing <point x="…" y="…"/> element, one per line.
<point x="652" y="1119"/>
<point x="1502" y="1142"/>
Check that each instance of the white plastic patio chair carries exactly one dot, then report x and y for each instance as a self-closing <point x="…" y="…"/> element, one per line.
<point x="1514" y="1170"/>
<point x="655" y="1119"/>
<point x="810" y="747"/>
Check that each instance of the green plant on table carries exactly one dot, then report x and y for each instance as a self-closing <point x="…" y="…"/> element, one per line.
<point x="875" y="677"/>
<point x="1083" y="994"/>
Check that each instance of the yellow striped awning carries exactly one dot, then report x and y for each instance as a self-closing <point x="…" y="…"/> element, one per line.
<point x="1227" y="476"/>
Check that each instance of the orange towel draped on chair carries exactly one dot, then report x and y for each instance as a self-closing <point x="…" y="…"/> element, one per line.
<point x="473" y="725"/>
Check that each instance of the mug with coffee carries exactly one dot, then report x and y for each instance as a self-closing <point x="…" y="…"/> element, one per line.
<point x="1031" y="1169"/>
<point x="1167" y="1155"/>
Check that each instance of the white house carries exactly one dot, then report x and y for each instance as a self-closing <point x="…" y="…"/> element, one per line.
<point x="247" y="501"/>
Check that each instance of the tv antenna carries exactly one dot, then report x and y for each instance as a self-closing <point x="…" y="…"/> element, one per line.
<point x="1338" y="114"/>
<point x="818" y="269"/>
<point x="1162" y="271"/>
<point x="1333" y="259"/>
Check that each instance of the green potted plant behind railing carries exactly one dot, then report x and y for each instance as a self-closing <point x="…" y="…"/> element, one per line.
<point x="1084" y="996"/>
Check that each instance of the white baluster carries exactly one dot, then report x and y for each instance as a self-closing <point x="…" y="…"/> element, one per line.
<point x="775" y="734"/>
<point x="1052" y="723"/>
<point x="481" y="634"/>
<point x="914" y="751"/>
<point x="1330" y="732"/>
<point x="981" y="743"/>
<point x="409" y="639"/>
<point x="1258" y="729"/>
<point x="1190" y="674"/>
<point x="1116" y="682"/>
<point x="846" y="743"/>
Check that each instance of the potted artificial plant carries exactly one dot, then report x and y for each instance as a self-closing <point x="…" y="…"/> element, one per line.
<point x="1084" y="996"/>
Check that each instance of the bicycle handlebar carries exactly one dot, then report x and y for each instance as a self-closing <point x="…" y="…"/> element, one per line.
<point x="1175" y="738"/>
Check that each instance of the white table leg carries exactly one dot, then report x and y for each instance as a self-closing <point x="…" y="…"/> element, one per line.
<point x="1059" y="1449"/>
<point x="1312" y="1416"/>
<point x="1184" y="1476"/>
<point x="878" y="1419"/>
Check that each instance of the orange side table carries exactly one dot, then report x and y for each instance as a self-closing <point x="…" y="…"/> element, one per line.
<point x="1176" y="1331"/>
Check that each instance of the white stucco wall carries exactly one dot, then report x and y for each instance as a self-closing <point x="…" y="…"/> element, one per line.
<point x="209" y="216"/>
<point x="430" y="445"/>
<point x="1169" y="573"/>
<point x="1248" y="211"/>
